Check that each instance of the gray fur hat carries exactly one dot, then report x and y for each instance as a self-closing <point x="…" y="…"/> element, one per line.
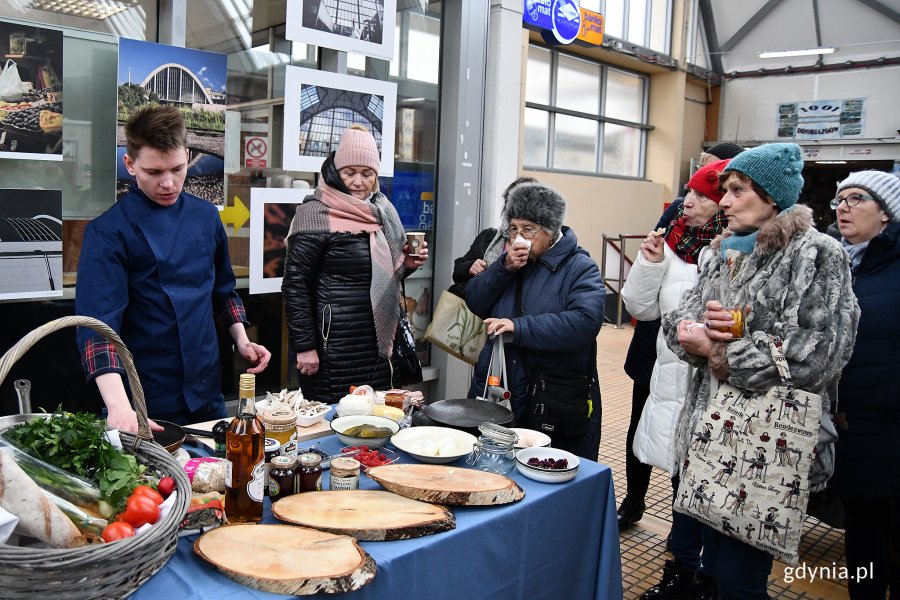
<point x="884" y="187"/>
<point x="539" y="204"/>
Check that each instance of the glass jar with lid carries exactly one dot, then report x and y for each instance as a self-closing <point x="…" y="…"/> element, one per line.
<point x="282" y="480"/>
<point x="281" y="425"/>
<point x="309" y="473"/>
<point x="495" y="450"/>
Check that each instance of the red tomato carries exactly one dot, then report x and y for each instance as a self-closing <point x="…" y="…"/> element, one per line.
<point x="117" y="531"/>
<point x="146" y="490"/>
<point x="140" y="510"/>
<point x="166" y="486"/>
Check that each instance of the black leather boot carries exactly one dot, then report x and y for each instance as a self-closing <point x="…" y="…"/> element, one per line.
<point x="704" y="588"/>
<point x="629" y="513"/>
<point x="676" y="581"/>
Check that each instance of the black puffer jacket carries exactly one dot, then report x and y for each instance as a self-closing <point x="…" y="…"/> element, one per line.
<point x="327" y="307"/>
<point x="868" y="451"/>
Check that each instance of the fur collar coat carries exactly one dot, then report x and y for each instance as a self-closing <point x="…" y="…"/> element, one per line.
<point x="797" y="282"/>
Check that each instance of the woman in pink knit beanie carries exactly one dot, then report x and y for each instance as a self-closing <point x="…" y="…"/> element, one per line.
<point x="345" y="261"/>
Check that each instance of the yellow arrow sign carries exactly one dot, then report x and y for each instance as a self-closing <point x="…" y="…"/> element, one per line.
<point x="236" y="215"/>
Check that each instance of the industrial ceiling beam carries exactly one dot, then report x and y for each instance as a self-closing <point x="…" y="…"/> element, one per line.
<point x="709" y="25"/>
<point x="751" y="23"/>
<point x="875" y="5"/>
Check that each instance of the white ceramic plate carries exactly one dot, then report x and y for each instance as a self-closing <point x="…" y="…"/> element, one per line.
<point x="531" y="438"/>
<point x="415" y="442"/>
<point x="344" y="423"/>
<point x="546" y="475"/>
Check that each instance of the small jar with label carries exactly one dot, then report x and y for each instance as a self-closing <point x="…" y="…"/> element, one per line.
<point x="345" y="473"/>
<point x="309" y="472"/>
<point x="282" y="477"/>
<point x="272" y="449"/>
<point x="495" y="450"/>
<point x="281" y="425"/>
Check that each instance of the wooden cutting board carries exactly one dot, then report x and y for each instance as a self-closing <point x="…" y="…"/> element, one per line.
<point x="366" y="515"/>
<point x="447" y="485"/>
<point x="287" y="560"/>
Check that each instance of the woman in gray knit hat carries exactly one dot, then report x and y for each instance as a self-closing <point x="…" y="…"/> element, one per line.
<point x="545" y="296"/>
<point x="867" y="205"/>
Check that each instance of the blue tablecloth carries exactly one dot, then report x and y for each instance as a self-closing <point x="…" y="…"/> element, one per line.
<point x="560" y="541"/>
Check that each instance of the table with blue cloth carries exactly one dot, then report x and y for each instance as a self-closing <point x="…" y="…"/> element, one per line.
<point x="560" y="541"/>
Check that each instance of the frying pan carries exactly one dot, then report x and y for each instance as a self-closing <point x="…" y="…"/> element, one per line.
<point x="171" y="437"/>
<point x="468" y="413"/>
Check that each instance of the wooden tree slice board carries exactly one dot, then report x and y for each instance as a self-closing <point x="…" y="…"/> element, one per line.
<point x="287" y="560"/>
<point x="367" y="515"/>
<point x="441" y="484"/>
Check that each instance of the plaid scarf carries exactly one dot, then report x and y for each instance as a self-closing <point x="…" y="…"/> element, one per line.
<point x="687" y="241"/>
<point x="330" y="209"/>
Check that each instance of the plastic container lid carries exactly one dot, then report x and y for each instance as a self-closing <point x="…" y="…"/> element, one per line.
<point x="282" y="461"/>
<point x="309" y="460"/>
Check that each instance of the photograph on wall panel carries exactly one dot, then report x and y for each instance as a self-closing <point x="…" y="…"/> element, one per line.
<point x="31" y="246"/>
<point x="192" y="80"/>
<point x="319" y="106"/>
<point x="31" y="92"/>
<point x="360" y="26"/>
<point x="271" y="212"/>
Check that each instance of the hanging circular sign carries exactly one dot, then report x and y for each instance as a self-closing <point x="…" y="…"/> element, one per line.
<point x="566" y="18"/>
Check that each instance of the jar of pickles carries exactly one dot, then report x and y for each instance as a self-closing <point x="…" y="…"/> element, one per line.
<point x="281" y="425"/>
<point x="495" y="449"/>
<point x="282" y="478"/>
<point x="309" y="472"/>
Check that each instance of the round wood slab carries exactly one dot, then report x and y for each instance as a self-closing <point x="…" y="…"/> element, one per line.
<point x="447" y="485"/>
<point x="287" y="560"/>
<point x="367" y="515"/>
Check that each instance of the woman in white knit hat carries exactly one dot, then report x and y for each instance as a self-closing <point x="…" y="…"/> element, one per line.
<point x="867" y="205"/>
<point x="345" y="260"/>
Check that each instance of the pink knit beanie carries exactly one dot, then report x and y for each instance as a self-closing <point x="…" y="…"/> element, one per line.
<point x="357" y="149"/>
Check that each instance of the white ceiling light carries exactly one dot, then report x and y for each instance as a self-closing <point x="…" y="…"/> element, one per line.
<point x="786" y="53"/>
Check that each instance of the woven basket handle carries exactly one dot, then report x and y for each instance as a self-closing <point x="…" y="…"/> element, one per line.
<point x="137" y="392"/>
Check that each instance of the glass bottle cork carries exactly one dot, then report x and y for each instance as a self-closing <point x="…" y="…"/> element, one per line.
<point x="245" y="456"/>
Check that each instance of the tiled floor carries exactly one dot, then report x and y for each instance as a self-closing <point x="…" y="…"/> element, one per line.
<point x="643" y="546"/>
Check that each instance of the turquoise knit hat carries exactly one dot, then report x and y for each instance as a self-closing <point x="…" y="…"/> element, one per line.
<point x="775" y="168"/>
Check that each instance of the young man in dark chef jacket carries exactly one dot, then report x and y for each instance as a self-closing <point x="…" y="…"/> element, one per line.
<point x="155" y="268"/>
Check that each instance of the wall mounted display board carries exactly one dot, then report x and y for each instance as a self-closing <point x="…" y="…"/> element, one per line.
<point x="821" y="119"/>
<point x="360" y="26"/>
<point x="319" y="106"/>
<point x="31" y="92"/>
<point x="195" y="82"/>
<point x="271" y="212"/>
<point x="31" y="247"/>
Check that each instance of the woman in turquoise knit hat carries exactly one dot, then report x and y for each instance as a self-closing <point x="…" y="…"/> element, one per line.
<point x="796" y="285"/>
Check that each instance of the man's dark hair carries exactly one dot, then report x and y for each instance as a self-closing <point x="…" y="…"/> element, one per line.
<point x="159" y="127"/>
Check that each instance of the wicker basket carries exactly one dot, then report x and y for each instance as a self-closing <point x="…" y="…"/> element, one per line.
<point x="103" y="570"/>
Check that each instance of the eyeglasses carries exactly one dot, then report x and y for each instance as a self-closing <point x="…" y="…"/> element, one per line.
<point x="526" y="233"/>
<point x="850" y="199"/>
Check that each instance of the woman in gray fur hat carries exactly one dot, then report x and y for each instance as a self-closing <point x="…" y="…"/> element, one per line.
<point x="545" y="296"/>
<point x="796" y="282"/>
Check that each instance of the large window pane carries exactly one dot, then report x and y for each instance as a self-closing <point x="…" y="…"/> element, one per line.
<point x="575" y="144"/>
<point x="624" y="96"/>
<point x="593" y="5"/>
<point x="614" y="19"/>
<point x="537" y="77"/>
<point x="537" y="131"/>
<point x="621" y="150"/>
<point x="637" y="22"/>
<point x="659" y="26"/>
<point x="423" y="60"/>
<point x="578" y="85"/>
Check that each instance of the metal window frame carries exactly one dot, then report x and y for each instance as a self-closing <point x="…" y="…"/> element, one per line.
<point x="552" y="110"/>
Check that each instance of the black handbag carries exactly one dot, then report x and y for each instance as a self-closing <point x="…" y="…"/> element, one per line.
<point x="405" y="367"/>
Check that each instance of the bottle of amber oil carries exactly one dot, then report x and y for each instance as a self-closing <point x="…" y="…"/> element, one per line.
<point x="245" y="456"/>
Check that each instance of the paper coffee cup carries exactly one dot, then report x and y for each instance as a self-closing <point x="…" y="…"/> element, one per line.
<point x="415" y="239"/>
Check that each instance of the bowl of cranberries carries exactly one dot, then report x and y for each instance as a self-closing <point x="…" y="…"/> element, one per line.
<point x="547" y="465"/>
